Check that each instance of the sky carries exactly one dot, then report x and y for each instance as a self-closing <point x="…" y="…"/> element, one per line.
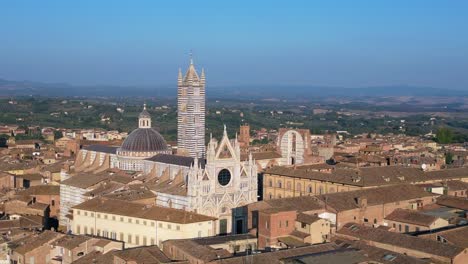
<point x="318" y="43"/>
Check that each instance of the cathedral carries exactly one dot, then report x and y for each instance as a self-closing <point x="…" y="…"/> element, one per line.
<point x="210" y="180"/>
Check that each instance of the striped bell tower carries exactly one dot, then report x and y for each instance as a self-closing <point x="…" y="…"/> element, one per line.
<point x="191" y="112"/>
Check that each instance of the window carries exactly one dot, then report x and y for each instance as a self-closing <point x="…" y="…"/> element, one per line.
<point x="137" y="240"/>
<point x="152" y="223"/>
<point x="86" y="230"/>
<point x="144" y="222"/>
<point x="168" y="226"/>
<point x="224" y="177"/>
<point x="113" y="217"/>
<point x="270" y="183"/>
<point x="406" y="228"/>
<point x="280" y="184"/>
<point x="366" y="220"/>
<point x="129" y="239"/>
<point x="129" y="220"/>
<point x="298" y="187"/>
<point x="92" y="214"/>
<point x="98" y="215"/>
<point x="287" y="223"/>
<point x="288" y="186"/>
<point x="178" y="227"/>
<point x="137" y="222"/>
<point x="309" y="188"/>
<point x="78" y="212"/>
<point x="280" y="224"/>
<point x="85" y="213"/>
<point x="394" y="225"/>
<point x="160" y="225"/>
<point x="53" y="203"/>
<point x="399" y="227"/>
<point x="199" y="233"/>
<point x="375" y="221"/>
<point x="78" y="229"/>
<point x="121" y="235"/>
<point x="303" y="225"/>
<point x="105" y="216"/>
<point x="145" y="241"/>
<point x="417" y="229"/>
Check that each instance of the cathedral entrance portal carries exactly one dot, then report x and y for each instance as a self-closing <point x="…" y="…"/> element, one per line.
<point x="239" y="226"/>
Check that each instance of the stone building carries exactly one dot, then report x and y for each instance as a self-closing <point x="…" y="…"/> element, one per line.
<point x="191" y="112"/>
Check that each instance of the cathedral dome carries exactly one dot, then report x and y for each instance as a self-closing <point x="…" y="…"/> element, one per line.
<point x="144" y="140"/>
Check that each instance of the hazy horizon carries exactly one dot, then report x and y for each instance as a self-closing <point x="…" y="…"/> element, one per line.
<point x="324" y="43"/>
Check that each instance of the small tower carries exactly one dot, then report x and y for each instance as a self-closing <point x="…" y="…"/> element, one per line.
<point x="144" y="119"/>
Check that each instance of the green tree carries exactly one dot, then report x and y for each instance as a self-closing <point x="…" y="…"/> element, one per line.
<point x="448" y="158"/>
<point x="444" y="135"/>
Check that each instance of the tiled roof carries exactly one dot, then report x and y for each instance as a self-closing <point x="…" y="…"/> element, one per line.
<point x="307" y="219"/>
<point x="343" y="201"/>
<point x="157" y="213"/>
<point x="370" y="176"/>
<point x="42" y="190"/>
<point x="400" y="240"/>
<point x="454" y="202"/>
<point x="411" y="217"/>
<point x="150" y="254"/>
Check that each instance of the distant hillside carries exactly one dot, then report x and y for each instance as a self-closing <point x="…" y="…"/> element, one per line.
<point x="27" y="88"/>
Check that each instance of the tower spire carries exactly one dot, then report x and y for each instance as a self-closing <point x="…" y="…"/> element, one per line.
<point x="191" y="57"/>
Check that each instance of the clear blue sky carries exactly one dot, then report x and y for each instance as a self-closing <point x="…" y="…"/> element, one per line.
<point x="332" y="43"/>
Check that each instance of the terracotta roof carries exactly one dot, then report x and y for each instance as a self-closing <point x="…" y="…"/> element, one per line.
<point x="454" y="202"/>
<point x="343" y="201"/>
<point x="456" y="185"/>
<point x="411" y="217"/>
<point x="277" y="257"/>
<point x="196" y="250"/>
<point x="42" y="190"/>
<point x="262" y="155"/>
<point x="307" y="219"/>
<point x="400" y="240"/>
<point x="96" y="257"/>
<point x="34" y="241"/>
<point x="151" y="254"/>
<point x="71" y="241"/>
<point x="136" y="210"/>
<point x="300" y="204"/>
<point x="456" y="236"/>
<point x="370" y="176"/>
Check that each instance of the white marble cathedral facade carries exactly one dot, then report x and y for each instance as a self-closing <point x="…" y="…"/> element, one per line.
<point x="212" y="186"/>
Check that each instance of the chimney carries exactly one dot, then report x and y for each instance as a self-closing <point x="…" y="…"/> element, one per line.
<point x="361" y="201"/>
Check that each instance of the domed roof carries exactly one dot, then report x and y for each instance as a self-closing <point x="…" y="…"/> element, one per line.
<point x="144" y="140"/>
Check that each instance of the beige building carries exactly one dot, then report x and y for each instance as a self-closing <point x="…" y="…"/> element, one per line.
<point x="317" y="229"/>
<point x="406" y="221"/>
<point x="293" y="181"/>
<point x="137" y="224"/>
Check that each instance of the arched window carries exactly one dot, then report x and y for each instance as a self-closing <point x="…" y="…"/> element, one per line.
<point x="321" y="190"/>
<point x="293" y="142"/>
<point x="288" y="186"/>
<point x="298" y="187"/>
<point x="309" y="188"/>
<point x="270" y="183"/>
<point x="280" y="184"/>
